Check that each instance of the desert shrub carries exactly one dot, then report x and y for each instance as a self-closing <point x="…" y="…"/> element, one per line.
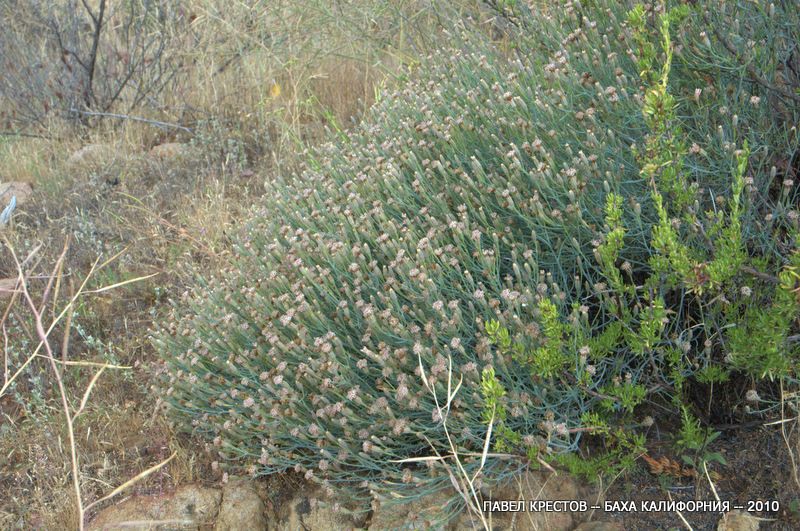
<point x="548" y="226"/>
<point x="61" y="60"/>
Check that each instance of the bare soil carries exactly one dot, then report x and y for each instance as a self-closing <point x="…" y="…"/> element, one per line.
<point x="758" y="468"/>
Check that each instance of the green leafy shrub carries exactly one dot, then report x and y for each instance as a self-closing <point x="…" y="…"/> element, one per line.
<point x="546" y="224"/>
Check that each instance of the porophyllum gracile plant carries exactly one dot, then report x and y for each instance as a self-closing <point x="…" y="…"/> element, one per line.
<point x="491" y="214"/>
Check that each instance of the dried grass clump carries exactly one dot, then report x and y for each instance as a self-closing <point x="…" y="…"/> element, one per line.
<point x="498" y="223"/>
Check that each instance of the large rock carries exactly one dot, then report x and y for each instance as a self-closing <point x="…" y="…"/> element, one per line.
<point x="543" y="486"/>
<point x="241" y="508"/>
<point x="190" y="508"/>
<point x="737" y="521"/>
<point x="529" y="486"/>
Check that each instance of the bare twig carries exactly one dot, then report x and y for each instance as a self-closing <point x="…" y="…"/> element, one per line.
<point x="56" y="274"/>
<point x="464" y="484"/>
<point x="5" y="353"/>
<point x="98" y="21"/>
<point x="53" y="324"/>
<point x="25" y="135"/>
<point x="88" y="364"/>
<point x="759" y="274"/>
<point x="680" y="515"/>
<point x="786" y="439"/>
<point x="59" y="382"/>
<point x="161" y="125"/>
<point x="88" y="392"/>
<point x="708" y="476"/>
<point x="67" y="328"/>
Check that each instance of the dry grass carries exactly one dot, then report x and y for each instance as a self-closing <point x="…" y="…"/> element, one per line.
<point x="167" y="220"/>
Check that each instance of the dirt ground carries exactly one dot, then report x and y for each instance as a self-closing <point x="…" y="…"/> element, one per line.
<point x="759" y="468"/>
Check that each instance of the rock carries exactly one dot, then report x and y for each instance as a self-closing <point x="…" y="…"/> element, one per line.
<point x="310" y="511"/>
<point x="421" y="513"/>
<point x="12" y="194"/>
<point x="532" y="486"/>
<point x="172" y="151"/>
<point x="737" y="521"/>
<point x="93" y="157"/>
<point x="600" y="526"/>
<point x="241" y="508"/>
<point x="189" y="507"/>
<point x="22" y="191"/>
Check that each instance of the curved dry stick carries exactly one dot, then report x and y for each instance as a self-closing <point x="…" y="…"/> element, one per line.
<point x="61" y="390"/>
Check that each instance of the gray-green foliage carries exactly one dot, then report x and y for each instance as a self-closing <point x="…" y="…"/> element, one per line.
<point x="499" y="211"/>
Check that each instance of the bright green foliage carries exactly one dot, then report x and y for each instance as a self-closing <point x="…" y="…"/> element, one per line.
<point x="646" y="56"/>
<point x="758" y="342"/>
<point x="548" y="360"/>
<point x="695" y="440"/>
<point x="674" y="259"/>
<point x="608" y="251"/>
<point x="758" y="336"/>
<point x="533" y="212"/>
<point x="651" y="326"/>
<point x="495" y="413"/>
<point x="730" y="255"/>
<point x="712" y="374"/>
<point x="626" y="394"/>
<point x="625" y="449"/>
<point x="493" y="392"/>
<point x="664" y="146"/>
<point x="605" y="342"/>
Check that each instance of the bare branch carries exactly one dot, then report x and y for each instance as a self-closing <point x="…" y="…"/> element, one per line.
<point x="162" y="125"/>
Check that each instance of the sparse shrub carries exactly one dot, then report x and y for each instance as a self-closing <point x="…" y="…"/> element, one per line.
<point x="62" y="59"/>
<point x="545" y="221"/>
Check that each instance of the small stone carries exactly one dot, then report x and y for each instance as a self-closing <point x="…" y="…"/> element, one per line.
<point x="7" y="286"/>
<point x="172" y="151"/>
<point x="541" y="485"/>
<point x="93" y="157"/>
<point x="22" y="191"/>
<point x="737" y="521"/>
<point x="537" y="486"/>
<point x="241" y="507"/>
